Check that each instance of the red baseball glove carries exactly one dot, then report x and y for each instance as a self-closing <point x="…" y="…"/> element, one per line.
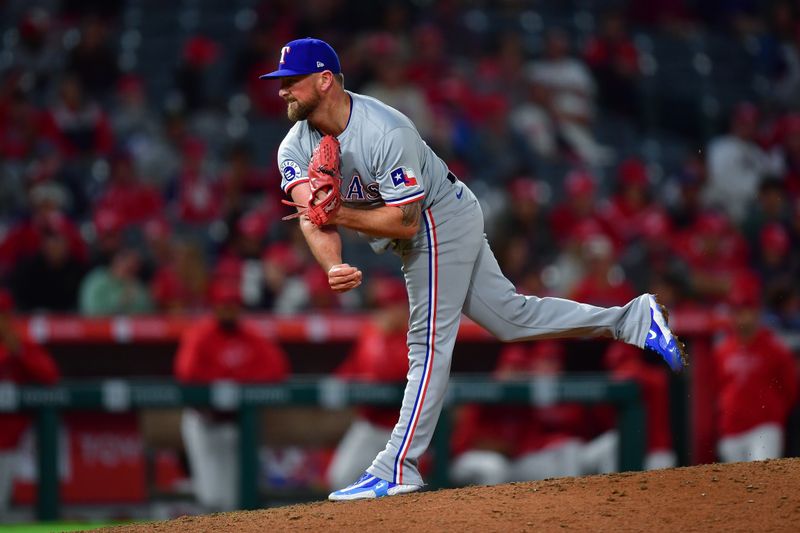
<point x="325" y="179"/>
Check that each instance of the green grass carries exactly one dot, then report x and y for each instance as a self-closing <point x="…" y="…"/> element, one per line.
<point x="54" y="527"/>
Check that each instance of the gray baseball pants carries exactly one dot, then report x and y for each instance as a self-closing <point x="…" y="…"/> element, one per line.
<point x="449" y="269"/>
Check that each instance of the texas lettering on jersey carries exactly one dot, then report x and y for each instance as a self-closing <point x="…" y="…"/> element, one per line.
<point x="357" y="191"/>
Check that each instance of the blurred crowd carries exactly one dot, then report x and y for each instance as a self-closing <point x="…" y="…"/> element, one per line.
<point x="123" y="193"/>
<point x="118" y="198"/>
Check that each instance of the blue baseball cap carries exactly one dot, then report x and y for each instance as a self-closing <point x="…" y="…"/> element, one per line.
<point x="305" y="56"/>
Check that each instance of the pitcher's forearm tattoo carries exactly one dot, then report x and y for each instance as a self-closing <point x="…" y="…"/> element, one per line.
<point x="411" y="213"/>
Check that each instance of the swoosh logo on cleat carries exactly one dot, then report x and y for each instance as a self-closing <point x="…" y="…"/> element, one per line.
<point x="652" y="334"/>
<point x="460" y="193"/>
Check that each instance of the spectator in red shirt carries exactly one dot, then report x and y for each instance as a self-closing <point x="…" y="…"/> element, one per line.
<point x="21" y="362"/>
<point x="579" y="205"/>
<point x="24" y="239"/>
<point x="604" y="280"/>
<point x="199" y="193"/>
<point x="181" y="286"/>
<point x="20" y="127"/>
<point x="380" y="355"/>
<point x="757" y="377"/>
<point x="78" y="126"/>
<point x="132" y="201"/>
<point x="221" y="347"/>
<point x="715" y="252"/>
<point x="624" y="215"/>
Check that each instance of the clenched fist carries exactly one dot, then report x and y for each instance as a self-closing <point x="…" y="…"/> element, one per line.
<point x="344" y="277"/>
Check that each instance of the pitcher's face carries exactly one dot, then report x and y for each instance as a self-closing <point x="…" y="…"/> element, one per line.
<point x="301" y="96"/>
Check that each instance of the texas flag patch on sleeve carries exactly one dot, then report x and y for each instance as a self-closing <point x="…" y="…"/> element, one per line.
<point x="403" y="176"/>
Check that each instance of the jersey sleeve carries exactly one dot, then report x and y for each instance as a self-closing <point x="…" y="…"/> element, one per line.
<point x="398" y="166"/>
<point x="292" y="165"/>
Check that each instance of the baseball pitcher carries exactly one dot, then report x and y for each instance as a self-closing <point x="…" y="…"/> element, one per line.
<point x="352" y="161"/>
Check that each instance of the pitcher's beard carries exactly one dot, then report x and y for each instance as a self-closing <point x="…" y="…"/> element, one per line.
<point x="297" y="111"/>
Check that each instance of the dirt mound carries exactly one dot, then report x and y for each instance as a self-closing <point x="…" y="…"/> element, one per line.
<point x="762" y="496"/>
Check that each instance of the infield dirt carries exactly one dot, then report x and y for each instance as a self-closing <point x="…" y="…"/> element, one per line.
<point x="759" y="496"/>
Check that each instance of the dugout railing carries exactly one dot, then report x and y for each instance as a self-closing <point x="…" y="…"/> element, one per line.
<point x="47" y="403"/>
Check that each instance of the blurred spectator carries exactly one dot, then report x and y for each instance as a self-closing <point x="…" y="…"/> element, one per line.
<point x="181" y="286"/>
<point x="757" y="379"/>
<point x="221" y="348"/>
<point x="115" y="289"/>
<point x="736" y="164"/>
<point x="571" y="90"/>
<point x="23" y="240"/>
<point x="78" y="126"/>
<point x="22" y="362"/>
<point x="244" y="186"/>
<point x="534" y="120"/>
<point x="161" y="161"/>
<point x="432" y="66"/>
<point x="522" y="239"/>
<point x="38" y="52"/>
<point x="771" y="207"/>
<point x="502" y="71"/>
<point x="614" y="60"/>
<point x="283" y="264"/>
<point x="776" y="263"/>
<point x="131" y="200"/>
<point x="786" y="75"/>
<point x="199" y="55"/>
<point x="242" y="260"/>
<point x="789" y="152"/>
<point x="380" y="355"/>
<point x="631" y="203"/>
<point x="156" y="246"/>
<point x="198" y="191"/>
<point x="603" y="283"/>
<point x="715" y="252"/>
<point x="498" y="444"/>
<point x="20" y="127"/>
<point x="135" y="125"/>
<point x="579" y="205"/>
<point x="569" y="266"/>
<point x="49" y="279"/>
<point x="687" y="202"/>
<point x="93" y="60"/>
<point x="109" y="236"/>
<point x="392" y="86"/>
<point x="651" y="256"/>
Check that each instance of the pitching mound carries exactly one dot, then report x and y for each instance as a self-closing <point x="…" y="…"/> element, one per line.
<point x="762" y="496"/>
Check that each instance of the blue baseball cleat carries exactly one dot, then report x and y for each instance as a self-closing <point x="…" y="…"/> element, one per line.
<point x="369" y="487"/>
<point x="661" y="340"/>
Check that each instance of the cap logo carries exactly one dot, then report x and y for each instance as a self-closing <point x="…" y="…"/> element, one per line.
<point x="320" y="64"/>
<point x="285" y="50"/>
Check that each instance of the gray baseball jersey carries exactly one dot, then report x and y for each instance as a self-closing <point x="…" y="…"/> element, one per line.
<point x="384" y="160"/>
<point x="448" y="267"/>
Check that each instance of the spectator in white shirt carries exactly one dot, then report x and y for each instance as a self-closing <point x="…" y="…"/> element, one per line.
<point x="571" y="92"/>
<point x="736" y="164"/>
